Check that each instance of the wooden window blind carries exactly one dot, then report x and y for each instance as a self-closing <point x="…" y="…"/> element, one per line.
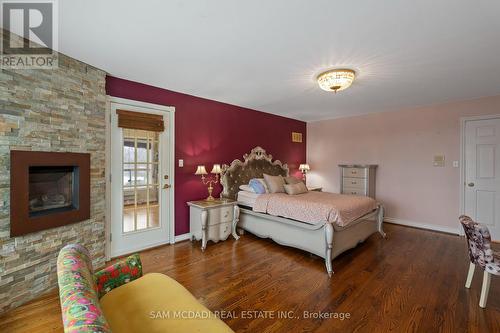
<point x="140" y="121"/>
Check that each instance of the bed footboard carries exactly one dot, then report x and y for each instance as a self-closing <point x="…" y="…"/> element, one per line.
<point x="323" y="240"/>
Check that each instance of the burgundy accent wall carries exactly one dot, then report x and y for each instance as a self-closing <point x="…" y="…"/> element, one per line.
<point x="208" y="132"/>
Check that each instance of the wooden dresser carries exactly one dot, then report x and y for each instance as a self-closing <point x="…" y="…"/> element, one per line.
<point x="358" y="179"/>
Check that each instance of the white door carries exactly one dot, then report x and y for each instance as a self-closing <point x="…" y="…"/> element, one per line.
<point x="141" y="183"/>
<point x="482" y="173"/>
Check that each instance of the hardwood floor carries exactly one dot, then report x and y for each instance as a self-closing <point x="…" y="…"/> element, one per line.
<point x="142" y="220"/>
<point x="411" y="282"/>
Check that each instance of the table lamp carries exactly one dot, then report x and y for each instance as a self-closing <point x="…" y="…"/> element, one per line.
<point x="201" y="171"/>
<point x="304" y="168"/>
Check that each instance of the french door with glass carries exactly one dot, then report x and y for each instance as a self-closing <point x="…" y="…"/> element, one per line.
<point x="141" y="182"/>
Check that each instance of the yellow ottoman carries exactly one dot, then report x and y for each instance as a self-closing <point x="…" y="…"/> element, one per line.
<point x="157" y="303"/>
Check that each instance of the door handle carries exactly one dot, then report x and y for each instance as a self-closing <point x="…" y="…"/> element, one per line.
<point x="470" y="184"/>
<point x="167" y="186"/>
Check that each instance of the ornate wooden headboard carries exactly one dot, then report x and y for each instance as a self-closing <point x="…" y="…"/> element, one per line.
<point x="254" y="165"/>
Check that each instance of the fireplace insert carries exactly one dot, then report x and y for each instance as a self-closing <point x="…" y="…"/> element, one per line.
<point x="52" y="189"/>
<point x="48" y="190"/>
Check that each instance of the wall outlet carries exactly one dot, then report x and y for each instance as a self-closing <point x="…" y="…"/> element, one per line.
<point x="181" y="163"/>
<point x="456" y="164"/>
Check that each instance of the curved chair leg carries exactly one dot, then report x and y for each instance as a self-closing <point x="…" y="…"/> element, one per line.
<point x="485" y="289"/>
<point x="470" y="275"/>
<point x="329" y="246"/>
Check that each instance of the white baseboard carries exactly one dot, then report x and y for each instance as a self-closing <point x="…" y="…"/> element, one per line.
<point x="182" y="237"/>
<point x="449" y="230"/>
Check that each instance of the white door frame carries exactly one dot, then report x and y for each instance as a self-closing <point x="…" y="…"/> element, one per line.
<point x="463" y="121"/>
<point x="171" y="129"/>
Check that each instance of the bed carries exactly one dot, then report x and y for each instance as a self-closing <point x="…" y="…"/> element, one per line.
<point x="323" y="237"/>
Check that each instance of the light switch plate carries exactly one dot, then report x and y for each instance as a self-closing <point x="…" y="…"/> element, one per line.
<point x="181" y="163"/>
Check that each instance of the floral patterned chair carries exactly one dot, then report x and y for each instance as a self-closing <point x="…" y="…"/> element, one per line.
<point x="480" y="253"/>
<point x="119" y="299"/>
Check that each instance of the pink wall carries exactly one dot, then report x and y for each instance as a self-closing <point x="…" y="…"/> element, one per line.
<point x="403" y="145"/>
<point x="208" y="132"/>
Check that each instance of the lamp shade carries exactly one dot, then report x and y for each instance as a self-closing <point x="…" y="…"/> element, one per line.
<point x="216" y="169"/>
<point x="304" y="167"/>
<point x="201" y="170"/>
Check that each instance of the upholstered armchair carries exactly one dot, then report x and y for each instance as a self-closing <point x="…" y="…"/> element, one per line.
<point x="80" y="289"/>
<point x="481" y="254"/>
<point x="119" y="299"/>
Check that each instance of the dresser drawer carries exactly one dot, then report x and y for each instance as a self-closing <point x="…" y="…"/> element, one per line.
<point x="226" y="214"/>
<point x="354" y="191"/>
<point x="354" y="172"/>
<point x="224" y="230"/>
<point x="219" y="231"/>
<point x="354" y="182"/>
<point x="220" y="215"/>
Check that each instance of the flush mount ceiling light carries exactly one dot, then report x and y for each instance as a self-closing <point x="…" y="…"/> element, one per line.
<point x="336" y="79"/>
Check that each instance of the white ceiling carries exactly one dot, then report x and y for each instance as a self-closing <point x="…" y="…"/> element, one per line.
<point x="266" y="54"/>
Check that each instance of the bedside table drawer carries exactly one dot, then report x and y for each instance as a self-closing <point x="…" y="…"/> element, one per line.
<point x="224" y="230"/>
<point x="220" y="215"/>
<point x="226" y="214"/>
<point x="219" y="231"/>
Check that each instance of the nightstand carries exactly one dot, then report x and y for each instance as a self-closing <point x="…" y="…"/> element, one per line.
<point x="213" y="220"/>
<point x="315" y="188"/>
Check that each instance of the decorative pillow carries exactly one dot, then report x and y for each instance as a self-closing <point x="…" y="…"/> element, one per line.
<point x="275" y="184"/>
<point x="247" y="188"/>
<point x="263" y="182"/>
<point x="297" y="188"/>
<point x="257" y="186"/>
<point x="292" y="180"/>
<point x="118" y="274"/>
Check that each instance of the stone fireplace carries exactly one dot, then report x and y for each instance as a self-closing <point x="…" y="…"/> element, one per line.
<point x="58" y="110"/>
<point x="48" y="190"/>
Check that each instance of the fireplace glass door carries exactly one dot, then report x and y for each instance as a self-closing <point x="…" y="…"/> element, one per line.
<point x="52" y="189"/>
